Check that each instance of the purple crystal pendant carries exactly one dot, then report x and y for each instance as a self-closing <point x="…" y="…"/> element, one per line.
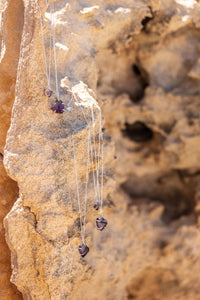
<point x="48" y="92"/>
<point x="96" y="205"/>
<point x="58" y="107"/>
<point x="83" y="249"/>
<point x="101" y="223"/>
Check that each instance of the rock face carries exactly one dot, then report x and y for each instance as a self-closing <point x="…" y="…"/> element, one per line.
<point x="11" y="23"/>
<point x="138" y="61"/>
<point x="9" y="193"/>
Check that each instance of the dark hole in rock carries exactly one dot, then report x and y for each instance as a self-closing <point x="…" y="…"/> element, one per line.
<point x="176" y="208"/>
<point x="190" y="122"/>
<point x="137" y="132"/>
<point x="174" y="193"/>
<point x="143" y="82"/>
<point x="163" y="244"/>
<point x="146" y="20"/>
<point x="163" y="282"/>
<point x="136" y="70"/>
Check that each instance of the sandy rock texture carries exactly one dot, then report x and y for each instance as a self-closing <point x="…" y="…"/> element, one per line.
<point x="139" y="61"/>
<point x="11" y="23"/>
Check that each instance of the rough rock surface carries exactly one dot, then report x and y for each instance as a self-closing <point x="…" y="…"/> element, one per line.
<point x="9" y="194"/>
<point x="141" y="59"/>
<point x="11" y="23"/>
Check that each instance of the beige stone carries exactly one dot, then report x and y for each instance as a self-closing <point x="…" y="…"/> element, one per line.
<point x="9" y="194"/>
<point x="138" y="61"/>
<point x="11" y="22"/>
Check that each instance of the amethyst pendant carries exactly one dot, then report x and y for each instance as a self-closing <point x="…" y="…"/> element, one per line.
<point x="101" y="223"/>
<point x="48" y="92"/>
<point x="58" y="107"/>
<point x="96" y="205"/>
<point x="83" y="249"/>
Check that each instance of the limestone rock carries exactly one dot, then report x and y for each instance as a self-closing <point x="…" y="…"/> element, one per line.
<point x="138" y="61"/>
<point x="9" y="194"/>
<point x="11" y="23"/>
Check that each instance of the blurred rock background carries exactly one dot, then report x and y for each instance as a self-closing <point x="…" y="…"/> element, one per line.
<point x="142" y="61"/>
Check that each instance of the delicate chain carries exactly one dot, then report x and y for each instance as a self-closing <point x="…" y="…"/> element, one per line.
<point x="102" y="165"/>
<point x="76" y="176"/>
<point x="87" y="178"/>
<point x="93" y="172"/>
<point x="91" y="150"/>
<point x="95" y="155"/>
<point x="100" y="152"/>
<point x="52" y="40"/>
<point x="54" y="50"/>
<point x="86" y="187"/>
<point x="43" y="44"/>
<point x="98" y="189"/>
<point x="77" y="190"/>
<point x="50" y="45"/>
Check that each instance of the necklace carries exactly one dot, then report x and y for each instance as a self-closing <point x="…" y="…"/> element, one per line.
<point x="101" y="222"/>
<point x="58" y="107"/>
<point x="83" y="248"/>
<point x="93" y="150"/>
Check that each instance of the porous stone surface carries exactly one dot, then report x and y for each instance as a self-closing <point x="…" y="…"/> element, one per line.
<point x="9" y="194"/>
<point x="11" y="23"/>
<point x="139" y="61"/>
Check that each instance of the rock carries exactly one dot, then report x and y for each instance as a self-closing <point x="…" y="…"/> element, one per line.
<point x="139" y="62"/>
<point x="11" y="23"/>
<point x="9" y="194"/>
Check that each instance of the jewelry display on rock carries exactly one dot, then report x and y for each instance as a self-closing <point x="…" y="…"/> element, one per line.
<point x="94" y="148"/>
